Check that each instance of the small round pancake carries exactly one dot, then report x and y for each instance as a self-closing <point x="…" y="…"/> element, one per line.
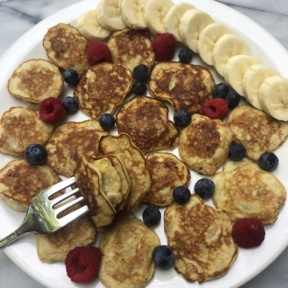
<point x="131" y="48"/>
<point x="145" y="120"/>
<point x="35" y="80"/>
<point x="20" y="127"/>
<point x="167" y="172"/>
<point x="66" y="47"/>
<point x="243" y="190"/>
<point x="204" y="144"/>
<point x="20" y="182"/>
<point x="70" y="142"/>
<point x="127" y="253"/>
<point x="102" y="88"/>
<point x="184" y="86"/>
<point x="257" y="131"/>
<point x="201" y="239"/>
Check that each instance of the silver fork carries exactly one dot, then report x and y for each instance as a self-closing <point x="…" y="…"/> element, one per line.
<point x="42" y="215"/>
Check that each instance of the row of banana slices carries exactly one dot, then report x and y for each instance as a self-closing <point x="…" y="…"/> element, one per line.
<point x="216" y="44"/>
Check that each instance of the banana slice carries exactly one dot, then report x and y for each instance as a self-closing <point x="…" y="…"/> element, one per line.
<point x="207" y="39"/>
<point x="252" y="80"/>
<point x="89" y="26"/>
<point x="109" y="15"/>
<point x="154" y="15"/>
<point x="172" y="18"/>
<point x="227" y="46"/>
<point x="273" y="97"/>
<point x="235" y="68"/>
<point x="133" y="13"/>
<point x="191" y="24"/>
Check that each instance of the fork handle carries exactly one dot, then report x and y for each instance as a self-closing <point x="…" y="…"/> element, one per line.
<point x="9" y="239"/>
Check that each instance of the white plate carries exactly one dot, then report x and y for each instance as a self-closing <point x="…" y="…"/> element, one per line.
<point x="249" y="262"/>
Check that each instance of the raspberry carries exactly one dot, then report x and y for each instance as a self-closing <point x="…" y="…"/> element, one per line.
<point x="97" y="52"/>
<point x="83" y="263"/>
<point x="216" y="108"/>
<point x="164" y="46"/>
<point x="248" y="232"/>
<point x="51" y="110"/>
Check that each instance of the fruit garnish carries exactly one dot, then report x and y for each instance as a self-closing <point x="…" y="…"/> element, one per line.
<point x="83" y="263"/>
<point x="139" y="87"/>
<point x="70" y="76"/>
<point x="204" y="187"/>
<point x="237" y="151"/>
<point x="164" y="46"/>
<point x="70" y="104"/>
<point x="220" y="90"/>
<point x="163" y="257"/>
<point x="141" y="72"/>
<point x="97" y="52"/>
<point x="233" y="99"/>
<point x="268" y="161"/>
<point x="182" y="118"/>
<point x="248" y="232"/>
<point x="181" y="194"/>
<point x="107" y="121"/>
<point x="216" y="108"/>
<point x="151" y="216"/>
<point x="35" y="154"/>
<point x="185" y="55"/>
<point x="51" y="110"/>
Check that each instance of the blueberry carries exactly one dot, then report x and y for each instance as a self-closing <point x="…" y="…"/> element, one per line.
<point x="70" y="76"/>
<point x="70" y="104"/>
<point x="35" y="154"/>
<point x="236" y="151"/>
<point x="151" y="216"/>
<point x="233" y="99"/>
<point x="268" y="161"/>
<point x="185" y="55"/>
<point x="181" y="194"/>
<point x="139" y="87"/>
<point x="107" y="121"/>
<point x="204" y="187"/>
<point x="163" y="257"/>
<point x="141" y="72"/>
<point x="220" y="90"/>
<point x="182" y="118"/>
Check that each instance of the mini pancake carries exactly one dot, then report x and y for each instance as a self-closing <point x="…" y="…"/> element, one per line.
<point x="35" y="80"/>
<point x="134" y="162"/>
<point x="70" y="142"/>
<point x="131" y="48"/>
<point x="20" y="127"/>
<point x="167" y="172"/>
<point x="20" y="182"/>
<point x="256" y="130"/>
<point x="55" y="247"/>
<point x="184" y="86"/>
<point x="146" y="121"/>
<point x="127" y="253"/>
<point x="244" y="190"/>
<point x="66" y="47"/>
<point x="102" y="88"/>
<point x="204" y="144"/>
<point x="201" y="239"/>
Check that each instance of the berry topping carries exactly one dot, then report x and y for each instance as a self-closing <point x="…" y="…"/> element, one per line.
<point x="236" y="151"/>
<point x="182" y="118"/>
<point x="151" y="216"/>
<point x="181" y="194"/>
<point x="51" y="110"/>
<point x="35" y="154"/>
<point x="233" y="99"/>
<point x="70" y="104"/>
<point x="107" y="121"/>
<point x="268" y="161"/>
<point x="164" y="46"/>
<point x="70" y="76"/>
<point x="220" y="90"/>
<point x="163" y="256"/>
<point x="82" y="264"/>
<point x="204" y="187"/>
<point x="97" y="52"/>
<point x="139" y="87"/>
<point x="185" y="55"/>
<point x="216" y="108"/>
<point x="141" y="72"/>
<point x="248" y="232"/>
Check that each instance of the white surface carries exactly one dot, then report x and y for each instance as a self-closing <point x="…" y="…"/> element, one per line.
<point x="249" y="262"/>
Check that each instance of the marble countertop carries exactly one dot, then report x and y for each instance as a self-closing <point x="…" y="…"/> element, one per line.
<point x="17" y="16"/>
